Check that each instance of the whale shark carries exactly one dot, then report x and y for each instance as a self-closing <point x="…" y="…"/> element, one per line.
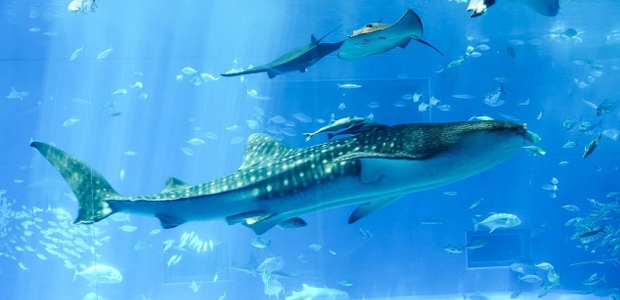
<point x="277" y="183"/>
<point x="298" y="59"/>
<point x="549" y="8"/>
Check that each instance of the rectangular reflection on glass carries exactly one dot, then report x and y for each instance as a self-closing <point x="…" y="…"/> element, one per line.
<point x="503" y="247"/>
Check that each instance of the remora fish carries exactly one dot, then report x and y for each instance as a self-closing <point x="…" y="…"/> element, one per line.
<point x="298" y="59"/>
<point x="376" y="38"/>
<point x="277" y="183"/>
<point x="549" y="8"/>
<point x="336" y="125"/>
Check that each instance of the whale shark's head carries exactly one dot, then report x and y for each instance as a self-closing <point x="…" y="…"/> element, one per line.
<point x="477" y="145"/>
<point x="435" y="154"/>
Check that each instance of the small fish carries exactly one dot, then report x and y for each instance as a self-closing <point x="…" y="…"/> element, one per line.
<point x="430" y="222"/>
<point x="105" y="53"/>
<point x="188" y="71"/>
<point x="80" y="101"/>
<point x="450" y="193"/>
<point x="530" y="279"/>
<point x="454" y="249"/>
<point x="120" y="92"/>
<point x="194" y="287"/>
<point x="511" y="51"/>
<point x="463" y="96"/>
<point x="570" y="144"/>
<point x="155" y="231"/>
<point x="315" y="247"/>
<point x="492" y="98"/>
<point x="502" y="79"/>
<point x="302" y="118"/>
<point x="196" y="142"/>
<point x="21" y="265"/>
<point x="423" y="106"/>
<point x="76" y="53"/>
<point x="589" y="149"/>
<point x="483" y="47"/>
<point x="122" y="174"/>
<point x="540" y="115"/>
<point x="260" y="243"/>
<point x="349" y="86"/>
<point x="141" y="245"/>
<point x="17" y="95"/>
<point x="606" y="107"/>
<point x="358" y="128"/>
<point x="400" y="104"/>
<point x="236" y="140"/>
<point x="345" y="282"/>
<point x="498" y="220"/>
<point x="515" y="295"/>
<point x="476" y="244"/>
<point x="570" y="207"/>
<point x="130" y="153"/>
<point x="568" y="124"/>
<point x="70" y="122"/>
<point x="544" y="266"/>
<point x="210" y="135"/>
<point x="128" y="228"/>
<point x="456" y="62"/>
<point x="187" y="151"/>
<point x="475" y="203"/>
<point x="534" y="150"/>
<point x="336" y="125"/>
<point x="417" y="97"/>
<point x="207" y="77"/>
<point x="137" y="85"/>
<point x="592" y="280"/>
<point x="342" y="106"/>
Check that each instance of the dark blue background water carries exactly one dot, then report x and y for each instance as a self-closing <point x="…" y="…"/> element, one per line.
<point x="402" y="258"/>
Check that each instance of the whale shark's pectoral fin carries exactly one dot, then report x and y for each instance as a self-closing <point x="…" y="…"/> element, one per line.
<point x="174" y="184"/>
<point x="263" y="226"/>
<point x="370" y="207"/>
<point x="258" y="220"/>
<point x="168" y="222"/>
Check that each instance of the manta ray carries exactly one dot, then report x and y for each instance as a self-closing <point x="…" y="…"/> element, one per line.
<point x="277" y="183"/>
<point x="298" y="59"/>
<point x="376" y="38"/>
<point x="549" y="8"/>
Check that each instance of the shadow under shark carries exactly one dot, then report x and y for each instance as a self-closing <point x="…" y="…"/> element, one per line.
<point x="277" y="183"/>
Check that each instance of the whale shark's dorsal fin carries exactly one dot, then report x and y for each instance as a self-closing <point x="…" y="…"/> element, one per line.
<point x="174" y="184"/>
<point x="261" y="147"/>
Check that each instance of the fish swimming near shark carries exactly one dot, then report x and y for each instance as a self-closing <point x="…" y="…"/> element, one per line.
<point x="298" y="59"/>
<point x="277" y="183"/>
<point x="549" y="8"/>
<point x="377" y="38"/>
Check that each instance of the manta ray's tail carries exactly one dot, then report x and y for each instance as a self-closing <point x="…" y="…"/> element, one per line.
<point x="90" y="188"/>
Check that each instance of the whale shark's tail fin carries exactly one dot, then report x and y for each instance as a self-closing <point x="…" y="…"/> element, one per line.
<point x="90" y="188"/>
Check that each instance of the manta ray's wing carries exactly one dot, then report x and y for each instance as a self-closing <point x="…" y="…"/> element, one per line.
<point x="399" y="34"/>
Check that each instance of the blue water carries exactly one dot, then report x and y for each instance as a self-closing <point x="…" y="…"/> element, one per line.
<point x="141" y="138"/>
